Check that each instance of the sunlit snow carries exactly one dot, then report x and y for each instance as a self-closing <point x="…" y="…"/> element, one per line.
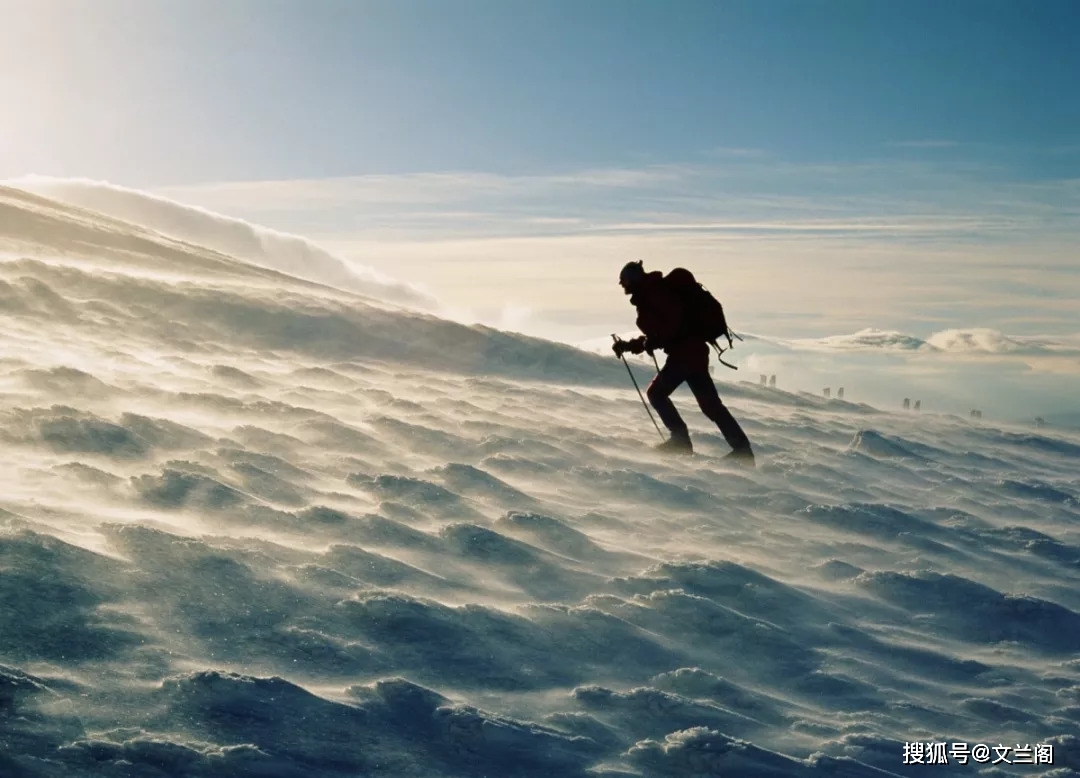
<point x="252" y="525"/>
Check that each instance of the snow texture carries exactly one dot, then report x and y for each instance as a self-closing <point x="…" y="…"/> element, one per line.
<point x="254" y="525"/>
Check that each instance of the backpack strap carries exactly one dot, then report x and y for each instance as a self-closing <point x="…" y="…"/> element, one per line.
<point x="731" y="344"/>
<point x="720" y="354"/>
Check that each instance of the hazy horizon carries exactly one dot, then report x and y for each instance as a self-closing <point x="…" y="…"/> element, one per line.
<point x="1013" y="377"/>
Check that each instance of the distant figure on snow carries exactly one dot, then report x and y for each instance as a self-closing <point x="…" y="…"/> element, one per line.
<point x="663" y="316"/>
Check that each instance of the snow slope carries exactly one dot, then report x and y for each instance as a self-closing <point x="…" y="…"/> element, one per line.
<point x="253" y="243"/>
<point x="256" y="526"/>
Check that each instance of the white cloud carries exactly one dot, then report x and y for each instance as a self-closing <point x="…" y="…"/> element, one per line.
<point x="416" y="188"/>
<point x="734" y="193"/>
<point x="975" y="341"/>
<point x="866" y="339"/>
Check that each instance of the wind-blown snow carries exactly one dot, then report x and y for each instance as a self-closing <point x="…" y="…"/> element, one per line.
<point x="253" y="243"/>
<point x="253" y="526"/>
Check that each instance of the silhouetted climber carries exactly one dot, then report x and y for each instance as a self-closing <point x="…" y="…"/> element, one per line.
<point x="665" y="318"/>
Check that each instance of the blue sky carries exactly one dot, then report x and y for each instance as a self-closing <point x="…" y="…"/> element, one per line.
<point x="829" y="166"/>
<point x="159" y="93"/>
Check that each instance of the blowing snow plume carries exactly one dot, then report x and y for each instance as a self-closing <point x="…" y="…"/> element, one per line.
<point x="261" y="246"/>
<point x="115" y="276"/>
<point x="253" y="527"/>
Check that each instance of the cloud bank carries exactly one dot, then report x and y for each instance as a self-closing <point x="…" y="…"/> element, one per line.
<point x="971" y="341"/>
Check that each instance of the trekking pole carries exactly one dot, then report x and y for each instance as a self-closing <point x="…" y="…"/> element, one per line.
<point x="631" y="372"/>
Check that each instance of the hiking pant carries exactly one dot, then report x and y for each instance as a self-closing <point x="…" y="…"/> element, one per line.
<point x="693" y="368"/>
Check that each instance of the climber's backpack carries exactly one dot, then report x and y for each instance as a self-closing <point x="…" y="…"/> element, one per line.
<point x="704" y="315"/>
